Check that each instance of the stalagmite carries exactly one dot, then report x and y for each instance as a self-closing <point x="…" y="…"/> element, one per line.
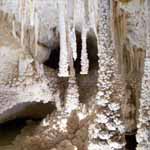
<point x="85" y="28"/>
<point x="143" y="132"/>
<point x="107" y="130"/>
<point x="63" y="60"/>
<point x="72" y="96"/>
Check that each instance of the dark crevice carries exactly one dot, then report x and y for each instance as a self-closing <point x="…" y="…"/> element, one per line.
<point x="131" y="142"/>
<point x="53" y="60"/>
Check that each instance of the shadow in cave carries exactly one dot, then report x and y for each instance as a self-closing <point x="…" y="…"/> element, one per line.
<point x="9" y="130"/>
<point x="87" y="83"/>
<point x="53" y="60"/>
<point x="32" y="112"/>
<point x="131" y="142"/>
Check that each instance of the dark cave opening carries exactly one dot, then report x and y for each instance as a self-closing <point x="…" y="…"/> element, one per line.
<point x="131" y="142"/>
<point x="10" y="129"/>
<point x="31" y="113"/>
<point x="53" y="60"/>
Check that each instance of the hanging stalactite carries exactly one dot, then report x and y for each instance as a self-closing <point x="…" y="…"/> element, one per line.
<point x="85" y="28"/>
<point x="36" y="32"/>
<point x="14" y="27"/>
<point x="63" y="60"/>
<point x="71" y="27"/>
<point x="93" y="15"/>
<point x="71" y="37"/>
<point x="32" y="12"/>
<point x="23" y="20"/>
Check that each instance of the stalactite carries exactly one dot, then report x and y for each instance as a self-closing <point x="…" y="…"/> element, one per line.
<point x="107" y="130"/>
<point x="73" y="42"/>
<point x="70" y="53"/>
<point x="63" y="60"/>
<point x="84" y="54"/>
<point x="143" y="133"/>
<point x="93" y="15"/>
<point x="14" y="28"/>
<point x="19" y="9"/>
<point x="23" y="20"/>
<point x="71" y="27"/>
<point x="36" y="32"/>
<point x="85" y="28"/>
<point x="71" y="37"/>
<point x="32" y="11"/>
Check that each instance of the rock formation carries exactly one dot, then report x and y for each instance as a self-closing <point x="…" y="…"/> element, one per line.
<point x="87" y="61"/>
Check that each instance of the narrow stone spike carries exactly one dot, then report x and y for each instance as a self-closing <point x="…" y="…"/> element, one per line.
<point x="71" y="22"/>
<point x="85" y="28"/>
<point x="84" y="54"/>
<point x="14" y="28"/>
<point x="23" y="20"/>
<point x="36" y="32"/>
<point x="63" y="61"/>
<point x="32" y="11"/>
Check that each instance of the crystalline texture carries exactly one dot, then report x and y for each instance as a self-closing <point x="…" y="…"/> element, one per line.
<point x="85" y="28"/>
<point x="63" y="61"/>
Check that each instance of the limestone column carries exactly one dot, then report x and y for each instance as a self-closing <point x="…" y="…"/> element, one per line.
<point x="107" y="130"/>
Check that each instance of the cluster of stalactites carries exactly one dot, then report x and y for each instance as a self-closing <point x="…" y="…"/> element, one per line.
<point x="68" y="45"/>
<point x="28" y="7"/>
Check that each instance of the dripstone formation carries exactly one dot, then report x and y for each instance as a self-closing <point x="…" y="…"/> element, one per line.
<point x="88" y="62"/>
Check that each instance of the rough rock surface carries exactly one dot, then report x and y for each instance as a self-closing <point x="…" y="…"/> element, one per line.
<point x="114" y="90"/>
<point x="21" y="78"/>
